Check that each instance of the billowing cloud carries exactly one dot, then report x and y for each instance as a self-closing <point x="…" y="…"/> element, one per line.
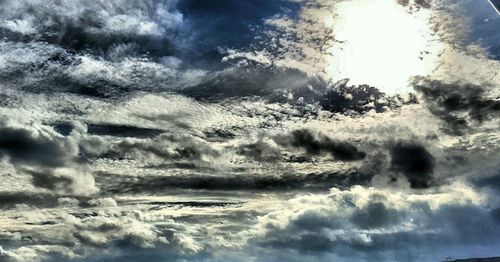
<point x="367" y="223"/>
<point x="20" y="146"/>
<point x="51" y="160"/>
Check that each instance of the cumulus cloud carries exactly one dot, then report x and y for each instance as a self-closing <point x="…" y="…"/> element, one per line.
<point x="109" y="233"/>
<point x="101" y="231"/>
<point x="366" y="223"/>
<point x="37" y="253"/>
<point x="51" y="160"/>
<point x="22" y="147"/>
<point x="51" y="69"/>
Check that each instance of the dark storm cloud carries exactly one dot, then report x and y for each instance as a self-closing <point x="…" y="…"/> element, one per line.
<point x="8" y="100"/>
<point x="315" y="144"/>
<point x="172" y="204"/>
<point x="41" y="70"/>
<point x="53" y="70"/>
<point x="63" y="128"/>
<point x="414" y="162"/>
<point x="339" y="97"/>
<point x="114" y="183"/>
<point x="59" y="38"/>
<point x="122" y="131"/>
<point x="11" y="199"/>
<point x="45" y="71"/>
<point x="460" y="105"/>
<point x="21" y="147"/>
<point x="51" y="160"/>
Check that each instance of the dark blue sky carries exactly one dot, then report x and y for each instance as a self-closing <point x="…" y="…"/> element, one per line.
<point x="485" y="28"/>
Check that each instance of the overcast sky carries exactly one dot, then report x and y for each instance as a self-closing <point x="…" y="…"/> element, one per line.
<point x="246" y="130"/>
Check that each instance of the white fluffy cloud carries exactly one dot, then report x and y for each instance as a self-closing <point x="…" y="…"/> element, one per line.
<point x="364" y="223"/>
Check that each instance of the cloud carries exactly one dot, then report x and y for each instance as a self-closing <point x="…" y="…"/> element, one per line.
<point x="317" y="144"/>
<point x="359" y="99"/>
<point x="11" y="199"/>
<point x="414" y="162"/>
<point x="164" y="150"/>
<point x="261" y="151"/>
<point x="102" y="236"/>
<point x="247" y="82"/>
<point x="461" y="105"/>
<point x="211" y="130"/>
<point x="291" y="86"/>
<point x="21" y="146"/>
<point x="121" y="184"/>
<point x="415" y="4"/>
<point x="37" y="253"/>
<point x="491" y="181"/>
<point x="102" y="231"/>
<point x="92" y="25"/>
<point x="122" y="131"/>
<point x="50" y="159"/>
<point x="367" y="223"/>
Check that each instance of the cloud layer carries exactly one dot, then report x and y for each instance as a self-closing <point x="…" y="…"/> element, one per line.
<point x="224" y="131"/>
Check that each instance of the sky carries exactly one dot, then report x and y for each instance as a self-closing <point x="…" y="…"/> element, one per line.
<point x="245" y="130"/>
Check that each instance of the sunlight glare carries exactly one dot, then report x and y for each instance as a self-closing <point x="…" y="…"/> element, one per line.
<point x="381" y="44"/>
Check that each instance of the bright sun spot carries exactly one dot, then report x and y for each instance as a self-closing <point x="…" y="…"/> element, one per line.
<point x="382" y="44"/>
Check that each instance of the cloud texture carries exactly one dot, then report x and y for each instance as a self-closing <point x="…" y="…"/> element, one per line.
<point x="165" y="130"/>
